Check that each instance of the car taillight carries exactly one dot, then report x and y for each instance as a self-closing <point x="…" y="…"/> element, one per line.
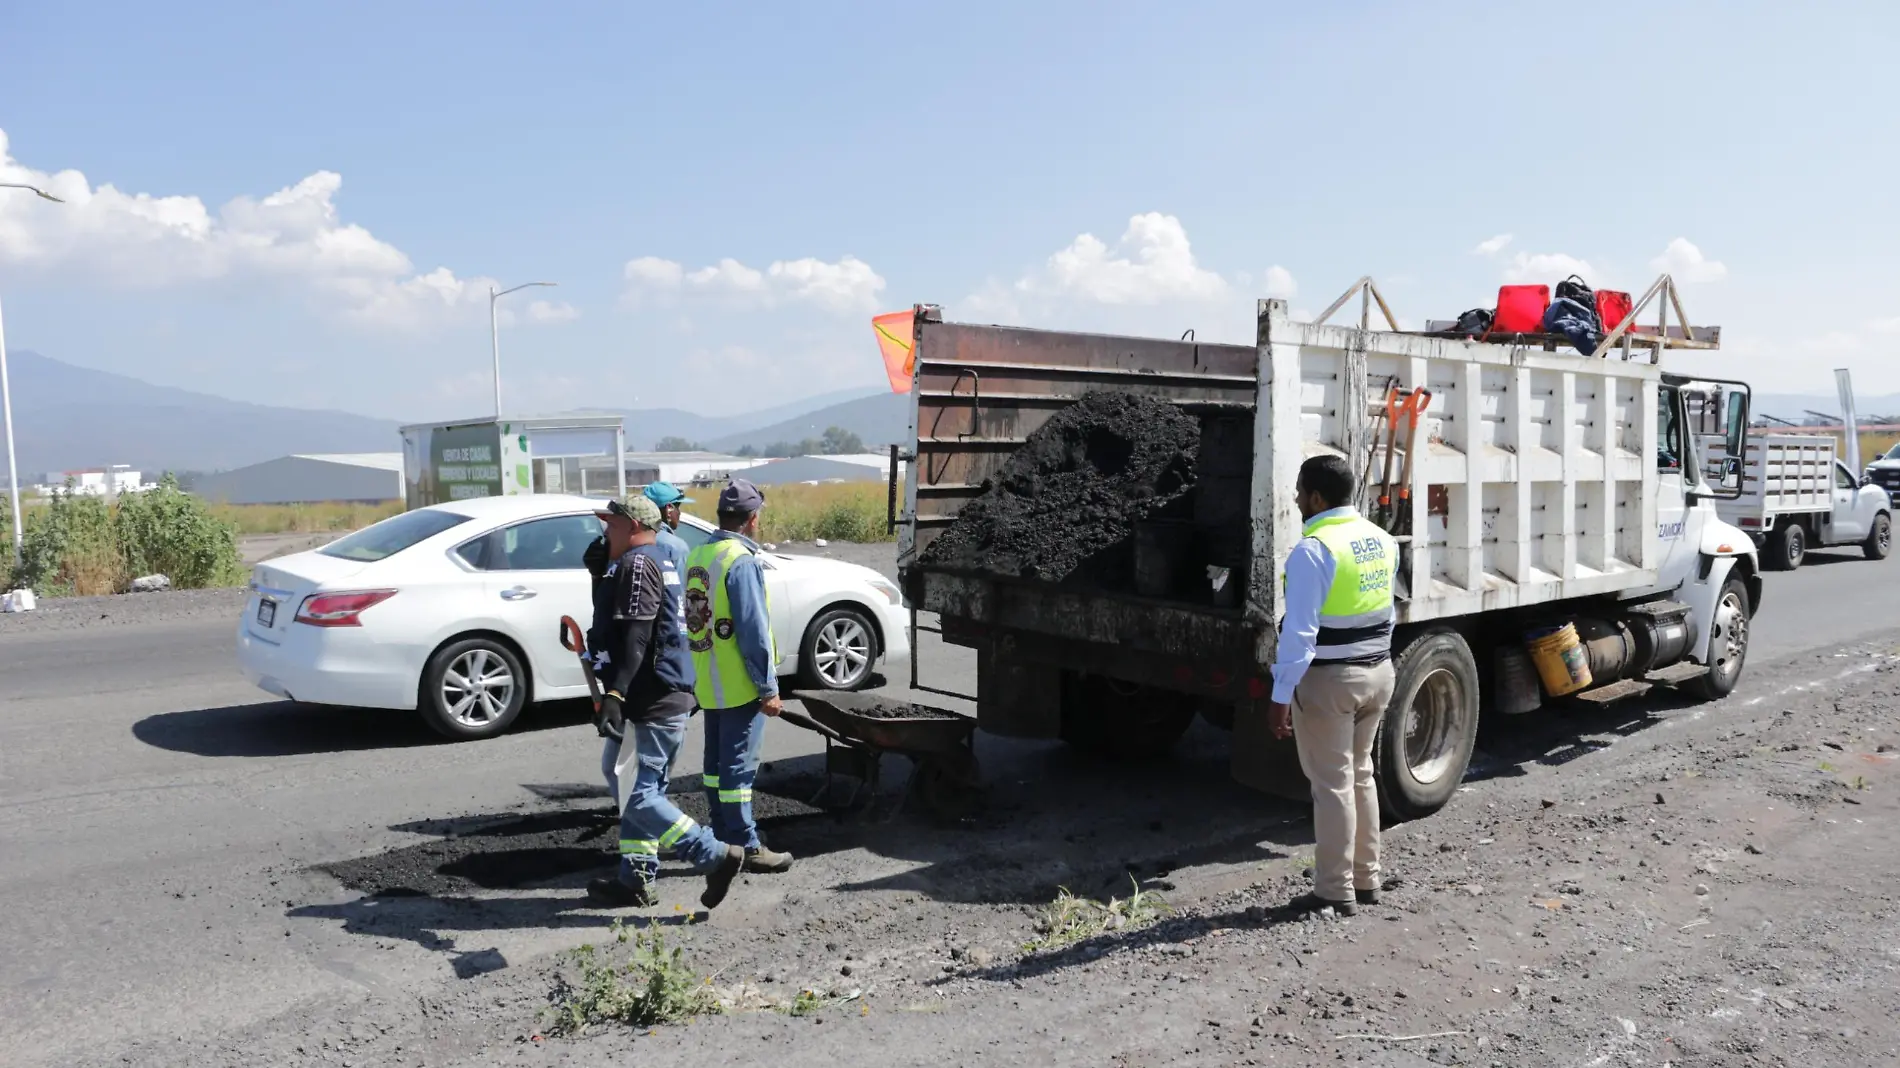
<point x="340" y="609"/>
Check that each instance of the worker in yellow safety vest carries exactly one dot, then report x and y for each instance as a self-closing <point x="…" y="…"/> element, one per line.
<point x="735" y="667"/>
<point x="1332" y="679"/>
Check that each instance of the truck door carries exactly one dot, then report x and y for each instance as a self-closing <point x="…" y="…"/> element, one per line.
<point x="1848" y="521"/>
<point x="1676" y="460"/>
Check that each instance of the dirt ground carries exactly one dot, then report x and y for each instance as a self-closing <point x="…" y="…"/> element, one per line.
<point x="1655" y="883"/>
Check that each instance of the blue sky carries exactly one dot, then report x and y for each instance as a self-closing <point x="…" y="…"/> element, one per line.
<point x="1215" y="152"/>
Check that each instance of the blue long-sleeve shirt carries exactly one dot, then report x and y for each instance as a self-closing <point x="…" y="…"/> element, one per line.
<point x="1309" y="575"/>
<point x="751" y="625"/>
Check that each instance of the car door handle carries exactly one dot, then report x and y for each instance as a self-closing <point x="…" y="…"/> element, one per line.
<point x="517" y="593"/>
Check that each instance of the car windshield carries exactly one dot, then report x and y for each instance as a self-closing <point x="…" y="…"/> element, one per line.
<point x="1892" y="454"/>
<point x="382" y="540"/>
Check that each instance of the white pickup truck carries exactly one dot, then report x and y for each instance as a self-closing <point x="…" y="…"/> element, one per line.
<point x="1797" y="495"/>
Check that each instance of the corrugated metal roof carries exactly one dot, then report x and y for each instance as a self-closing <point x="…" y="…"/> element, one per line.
<point x="381" y="461"/>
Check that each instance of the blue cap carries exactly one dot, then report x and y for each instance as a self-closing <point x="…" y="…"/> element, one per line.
<point x="740" y="498"/>
<point x="665" y="493"/>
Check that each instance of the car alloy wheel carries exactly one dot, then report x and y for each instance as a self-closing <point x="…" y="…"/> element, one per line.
<point x="477" y="688"/>
<point x="842" y="652"/>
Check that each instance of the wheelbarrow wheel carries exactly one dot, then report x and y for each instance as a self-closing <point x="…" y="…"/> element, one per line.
<point x="947" y="789"/>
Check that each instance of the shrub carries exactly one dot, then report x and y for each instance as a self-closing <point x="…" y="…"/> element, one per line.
<point x="166" y="531"/>
<point x="79" y="545"/>
<point x="654" y="986"/>
<point x="71" y="549"/>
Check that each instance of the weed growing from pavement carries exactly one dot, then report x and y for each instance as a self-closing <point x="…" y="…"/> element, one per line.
<point x="653" y="986"/>
<point x="1070" y="919"/>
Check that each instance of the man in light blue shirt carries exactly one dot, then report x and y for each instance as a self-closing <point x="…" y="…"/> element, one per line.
<point x="1332" y="678"/>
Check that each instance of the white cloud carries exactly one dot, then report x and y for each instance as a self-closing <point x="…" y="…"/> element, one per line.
<point x="1152" y="264"/>
<point x="849" y="285"/>
<point x="1885" y="326"/>
<point x="1280" y="283"/>
<point x="1491" y="246"/>
<point x="560" y="311"/>
<point x="1686" y="263"/>
<point x="1546" y="267"/>
<point x="293" y="237"/>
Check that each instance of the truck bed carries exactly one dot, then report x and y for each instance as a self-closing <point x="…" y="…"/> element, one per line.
<point x="1535" y="477"/>
<point x="1781" y="474"/>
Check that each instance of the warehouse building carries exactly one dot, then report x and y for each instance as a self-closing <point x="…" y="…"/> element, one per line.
<point x="310" y="478"/>
<point x="685" y="468"/>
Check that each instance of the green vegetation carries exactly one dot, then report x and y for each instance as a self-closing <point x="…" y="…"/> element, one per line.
<point x="340" y="518"/>
<point x="846" y="511"/>
<point x="82" y="546"/>
<point x="654" y="986"/>
<point x="1070" y="919"/>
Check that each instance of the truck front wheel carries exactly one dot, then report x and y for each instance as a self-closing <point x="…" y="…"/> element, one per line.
<point x="1430" y="725"/>
<point x="1728" y="643"/>
<point x="1122" y="720"/>
<point x="1880" y="540"/>
<point x="1787" y="546"/>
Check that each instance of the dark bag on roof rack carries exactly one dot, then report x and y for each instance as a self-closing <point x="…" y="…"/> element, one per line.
<point x="1473" y="323"/>
<point x="1576" y="322"/>
<point x="1575" y="288"/>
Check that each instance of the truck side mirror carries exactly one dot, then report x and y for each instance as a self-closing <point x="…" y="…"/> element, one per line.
<point x="1735" y="445"/>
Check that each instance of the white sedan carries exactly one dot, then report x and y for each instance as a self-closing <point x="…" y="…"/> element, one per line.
<point x="455" y="610"/>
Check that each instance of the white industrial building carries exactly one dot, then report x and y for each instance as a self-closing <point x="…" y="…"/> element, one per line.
<point x="92" y="482"/>
<point x="309" y="478"/>
<point x="685" y="468"/>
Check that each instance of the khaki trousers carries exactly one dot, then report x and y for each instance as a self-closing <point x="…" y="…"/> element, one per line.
<point x="1336" y="713"/>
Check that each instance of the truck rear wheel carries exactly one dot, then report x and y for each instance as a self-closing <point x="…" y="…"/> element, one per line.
<point x="1879" y="540"/>
<point x="1787" y="547"/>
<point x="1122" y="720"/>
<point x="1728" y="643"/>
<point x="1430" y="726"/>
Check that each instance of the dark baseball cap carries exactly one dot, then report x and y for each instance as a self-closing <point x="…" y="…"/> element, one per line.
<point x="741" y="498"/>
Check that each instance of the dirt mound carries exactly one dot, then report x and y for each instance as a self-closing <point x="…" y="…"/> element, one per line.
<point x="1066" y="504"/>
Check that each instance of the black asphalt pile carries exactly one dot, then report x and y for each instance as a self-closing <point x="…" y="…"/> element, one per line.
<point x="868" y="706"/>
<point x="1064" y="507"/>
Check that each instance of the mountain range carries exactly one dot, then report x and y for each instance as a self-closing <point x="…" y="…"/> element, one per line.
<point x="68" y="417"/>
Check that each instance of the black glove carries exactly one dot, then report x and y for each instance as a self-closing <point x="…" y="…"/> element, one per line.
<point x="595" y="557"/>
<point x="611" y="721"/>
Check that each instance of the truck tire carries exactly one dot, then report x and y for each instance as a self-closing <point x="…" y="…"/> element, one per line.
<point x="472" y="688"/>
<point x="1430" y="726"/>
<point x="1122" y="720"/>
<point x="1787" y="547"/>
<point x="1879" y="540"/>
<point x="1729" y="642"/>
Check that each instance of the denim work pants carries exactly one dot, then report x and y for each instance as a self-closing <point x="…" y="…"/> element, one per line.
<point x="733" y="738"/>
<point x="650" y="823"/>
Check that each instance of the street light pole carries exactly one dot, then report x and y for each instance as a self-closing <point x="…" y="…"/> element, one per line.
<point x="494" y="333"/>
<point x="6" y="406"/>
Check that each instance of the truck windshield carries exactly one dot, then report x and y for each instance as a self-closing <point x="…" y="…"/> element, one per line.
<point x="382" y="540"/>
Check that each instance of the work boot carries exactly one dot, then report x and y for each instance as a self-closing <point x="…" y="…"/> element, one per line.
<point x="719" y="879"/>
<point x="610" y="892"/>
<point x="765" y="862"/>
<point x="1367" y="897"/>
<point x="1313" y="903"/>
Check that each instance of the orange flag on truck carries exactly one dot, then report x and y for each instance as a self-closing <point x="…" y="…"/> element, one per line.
<point x="895" y="341"/>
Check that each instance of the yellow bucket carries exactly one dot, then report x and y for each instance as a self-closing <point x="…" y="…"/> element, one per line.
<point x="1561" y="660"/>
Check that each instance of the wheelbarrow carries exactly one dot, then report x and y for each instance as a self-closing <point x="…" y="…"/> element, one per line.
<point x="859" y="729"/>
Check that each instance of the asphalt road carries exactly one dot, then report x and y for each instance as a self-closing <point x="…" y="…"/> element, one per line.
<point x="159" y="820"/>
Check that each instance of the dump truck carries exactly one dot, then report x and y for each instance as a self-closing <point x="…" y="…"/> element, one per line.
<point x="1798" y="495"/>
<point x="1549" y="489"/>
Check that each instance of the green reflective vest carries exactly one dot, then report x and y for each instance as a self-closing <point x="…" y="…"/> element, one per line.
<point x="1355" y="620"/>
<point x="720" y="678"/>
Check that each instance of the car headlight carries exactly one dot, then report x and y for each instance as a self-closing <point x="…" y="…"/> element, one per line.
<point x="888" y="589"/>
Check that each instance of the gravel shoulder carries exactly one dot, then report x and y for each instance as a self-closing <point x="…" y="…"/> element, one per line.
<point x="1653" y="883"/>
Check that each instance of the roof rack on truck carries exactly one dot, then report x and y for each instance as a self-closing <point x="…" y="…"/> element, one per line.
<point x="1625" y="340"/>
